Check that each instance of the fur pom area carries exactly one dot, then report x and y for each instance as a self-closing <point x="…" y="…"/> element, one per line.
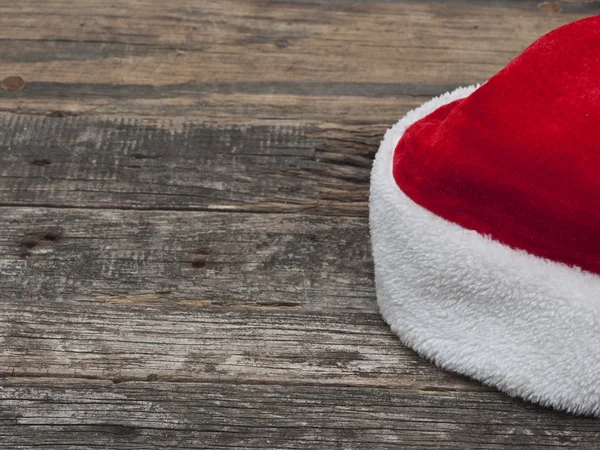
<point x="526" y="325"/>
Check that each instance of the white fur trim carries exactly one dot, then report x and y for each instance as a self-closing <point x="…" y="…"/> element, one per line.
<point x="526" y="325"/>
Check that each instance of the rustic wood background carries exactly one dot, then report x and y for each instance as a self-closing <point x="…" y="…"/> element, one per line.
<point x="184" y="247"/>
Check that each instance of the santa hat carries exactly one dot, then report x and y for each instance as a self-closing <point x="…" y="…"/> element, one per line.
<point x="485" y="224"/>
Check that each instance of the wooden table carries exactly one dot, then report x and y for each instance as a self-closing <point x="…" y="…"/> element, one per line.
<point x="184" y="246"/>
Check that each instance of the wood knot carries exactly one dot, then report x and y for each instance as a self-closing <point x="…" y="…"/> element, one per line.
<point x="550" y="7"/>
<point x="13" y="83"/>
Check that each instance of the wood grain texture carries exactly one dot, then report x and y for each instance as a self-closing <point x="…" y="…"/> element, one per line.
<point x="184" y="248"/>
<point x="245" y="61"/>
<point x="127" y="163"/>
<point x="72" y="413"/>
<point x="300" y="262"/>
<point x="194" y="341"/>
<point x="190" y="296"/>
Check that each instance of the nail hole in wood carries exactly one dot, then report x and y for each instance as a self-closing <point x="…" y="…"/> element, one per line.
<point x="198" y="263"/>
<point x="29" y="243"/>
<point x="143" y="156"/>
<point x="51" y="236"/>
<point x="41" y="162"/>
<point x="62" y="114"/>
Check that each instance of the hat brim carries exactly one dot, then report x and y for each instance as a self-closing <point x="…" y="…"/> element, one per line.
<point x="523" y="324"/>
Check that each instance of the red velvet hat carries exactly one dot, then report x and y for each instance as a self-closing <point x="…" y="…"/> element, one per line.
<point x="485" y="223"/>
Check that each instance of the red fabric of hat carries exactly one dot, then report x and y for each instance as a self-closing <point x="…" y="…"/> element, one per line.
<point x="519" y="159"/>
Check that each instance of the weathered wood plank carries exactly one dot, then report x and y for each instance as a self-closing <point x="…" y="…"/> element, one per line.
<point x="298" y="262"/>
<point x="202" y="105"/>
<point x="86" y="414"/>
<point x="288" y="50"/>
<point x="119" y="163"/>
<point x="192" y="341"/>
<point x="187" y="295"/>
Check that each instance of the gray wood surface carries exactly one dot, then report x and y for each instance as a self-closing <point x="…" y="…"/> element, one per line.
<point x="126" y="163"/>
<point x="184" y="248"/>
<point x="225" y="415"/>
